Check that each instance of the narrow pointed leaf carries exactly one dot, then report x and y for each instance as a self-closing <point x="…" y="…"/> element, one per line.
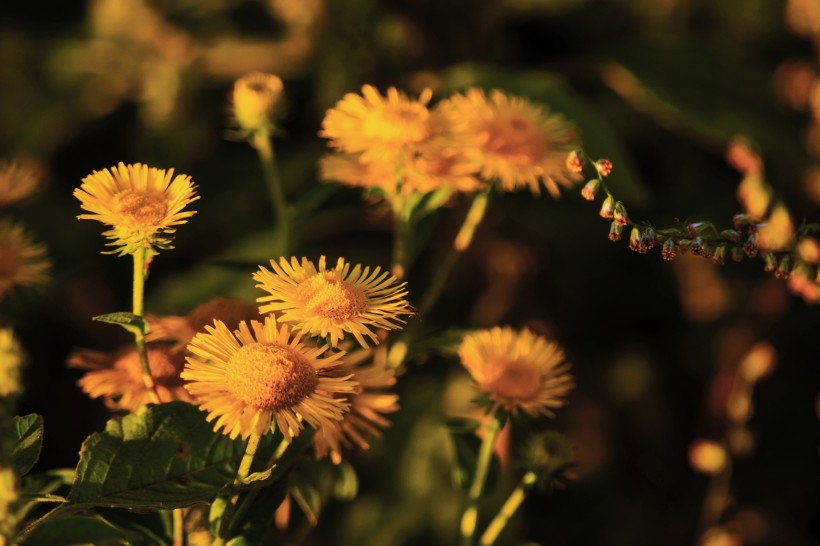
<point x="27" y="439"/>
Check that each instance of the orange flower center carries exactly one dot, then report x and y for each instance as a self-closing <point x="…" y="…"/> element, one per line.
<point x="10" y="260"/>
<point x="165" y="366"/>
<point x="270" y="376"/>
<point x="514" y="138"/>
<point x="329" y="297"/>
<point x="141" y="207"/>
<point x="515" y="381"/>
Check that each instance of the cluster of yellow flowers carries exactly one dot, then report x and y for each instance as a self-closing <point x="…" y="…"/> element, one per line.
<point x="401" y="145"/>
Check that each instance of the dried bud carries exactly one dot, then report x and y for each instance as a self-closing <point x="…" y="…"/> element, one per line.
<point x="635" y="240"/>
<point x="784" y="268"/>
<point x="770" y="261"/>
<point x="604" y="167"/>
<point x="750" y="246"/>
<point x="615" y="231"/>
<point x="731" y="234"/>
<point x="719" y="256"/>
<point x="620" y="215"/>
<point x="590" y="189"/>
<point x="707" y="457"/>
<point x="736" y="253"/>
<point x="648" y="238"/>
<point x="575" y="161"/>
<point x="669" y="250"/>
<point x="608" y="207"/>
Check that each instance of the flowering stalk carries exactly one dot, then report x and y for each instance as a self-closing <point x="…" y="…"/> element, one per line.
<point x="508" y="509"/>
<point x="241" y="475"/>
<point x="140" y="270"/>
<point x="260" y="140"/>
<point x="470" y="516"/>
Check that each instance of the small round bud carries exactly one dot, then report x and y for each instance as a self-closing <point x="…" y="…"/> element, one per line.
<point x="731" y="234"/>
<point x="615" y="231"/>
<point x="648" y="238"/>
<point x="784" y="268"/>
<point x="769" y="260"/>
<point x="750" y="246"/>
<point x="590" y="189"/>
<point x="707" y="457"/>
<point x="635" y="240"/>
<point x="604" y="167"/>
<point x="608" y="207"/>
<point x="620" y="215"/>
<point x="669" y="250"/>
<point x="575" y="161"/>
<point x="698" y="247"/>
<point x="254" y="99"/>
<point x="719" y="255"/>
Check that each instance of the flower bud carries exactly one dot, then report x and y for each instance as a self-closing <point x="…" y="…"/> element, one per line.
<point x="590" y="189"/>
<point x="740" y="220"/>
<point x="784" y="268"/>
<point x="575" y="161"/>
<point x="615" y="231"/>
<point x="620" y="214"/>
<point x="635" y="240"/>
<point x="731" y="234"/>
<point x="719" y="256"/>
<point x="770" y="261"/>
<point x="669" y="250"/>
<point x="604" y="167"/>
<point x="697" y="247"/>
<point x="648" y="238"/>
<point x="608" y="207"/>
<point x="737" y="253"/>
<point x="750" y="246"/>
<point x="683" y="245"/>
<point x="254" y="100"/>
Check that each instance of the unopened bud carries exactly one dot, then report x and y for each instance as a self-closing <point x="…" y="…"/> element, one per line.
<point x="604" y="167"/>
<point x="707" y="457"/>
<point x="697" y="247"/>
<point x="770" y="261"/>
<point x="736" y="253"/>
<point x="648" y="238"/>
<point x="669" y="250"/>
<point x="750" y="246"/>
<point x="684" y="245"/>
<point x="719" y="256"/>
<point x="255" y="99"/>
<point x="615" y="231"/>
<point x="732" y="235"/>
<point x="608" y="207"/>
<point x="740" y="220"/>
<point x="695" y="228"/>
<point x="575" y="161"/>
<point x="620" y="215"/>
<point x="635" y="240"/>
<point x="590" y="189"/>
<point x="784" y="268"/>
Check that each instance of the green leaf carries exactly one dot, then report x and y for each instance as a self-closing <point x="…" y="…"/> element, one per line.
<point x="27" y="437"/>
<point x="80" y="530"/>
<point x="599" y="137"/>
<point x="129" y="321"/>
<point x="346" y="482"/>
<point x="167" y="457"/>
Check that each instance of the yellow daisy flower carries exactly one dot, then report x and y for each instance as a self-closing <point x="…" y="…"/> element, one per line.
<point x="254" y="100"/>
<point x="181" y="330"/>
<point x="17" y="181"/>
<point x="22" y="261"/>
<point x="259" y="375"/>
<point x="368" y="405"/>
<point x="142" y="204"/>
<point x="381" y="128"/>
<point x="511" y="139"/>
<point x="117" y="377"/>
<point x="517" y="370"/>
<point x="349" y="170"/>
<point x="440" y="166"/>
<point x="330" y="302"/>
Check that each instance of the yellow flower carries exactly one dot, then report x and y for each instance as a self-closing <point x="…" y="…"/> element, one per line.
<point x="254" y="100"/>
<point x="440" y="165"/>
<point x="17" y="181"/>
<point x="348" y="169"/>
<point x="367" y="408"/>
<point x="380" y="128"/>
<point x="511" y="139"/>
<point x="11" y="362"/>
<point x="117" y="377"/>
<point x="517" y="370"/>
<point x="330" y="302"/>
<point x="142" y="204"/>
<point x="22" y="261"/>
<point x="259" y="375"/>
<point x="181" y="330"/>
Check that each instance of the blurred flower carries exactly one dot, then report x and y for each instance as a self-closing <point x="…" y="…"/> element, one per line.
<point x="511" y="139"/>
<point x="517" y="370"/>
<point x="11" y="362"/>
<point x="9" y="495"/>
<point x="777" y="232"/>
<point x="380" y="128"/>
<point x="180" y="330"/>
<point x="809" y="250"/>
<point x="549" y="456"/>
<point x="141" y="203"/>
<point x="22" y="261"/>
<point x="255" y="99"/>
<point x="329" y="302"/>
<point x="350" y="170"/>
<point x="707" y="457"/>
<point x="117" y="377"/>
<point x="258" y="374"/>
<point x="438" y="166"/>
<point x="368" y="404"/>
<point x="754" y="195"/>
<point x="17" y="181"/>
<point x="718" y="536"/>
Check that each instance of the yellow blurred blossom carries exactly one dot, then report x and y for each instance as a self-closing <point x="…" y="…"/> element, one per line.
<point x="777" y="232"/>
<point x="707" y="456"/>
<point x="11" y="363"/>
<point x="255" y="99"/>
<point x="17" y="181"/>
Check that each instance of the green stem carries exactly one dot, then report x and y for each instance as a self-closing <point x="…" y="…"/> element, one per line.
<point x="508" y="509"/>
<point x="140" y="268"/>
<point x="179" y="527"/>
<point x="470" y="516"/>
<point x="261" y="141"/>
<point x="461" y="243"/>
